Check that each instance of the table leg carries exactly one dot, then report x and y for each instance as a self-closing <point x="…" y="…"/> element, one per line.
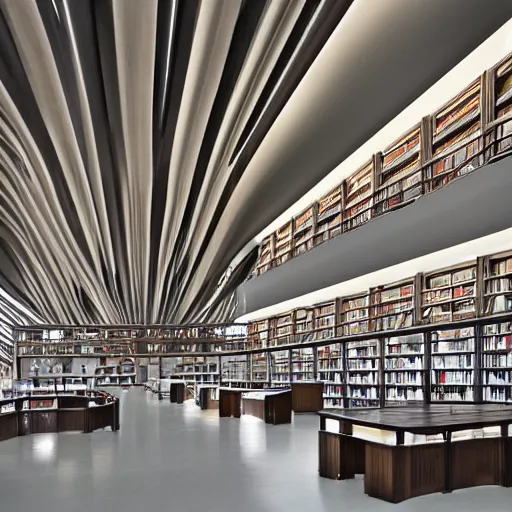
<point x="447" y="462"/>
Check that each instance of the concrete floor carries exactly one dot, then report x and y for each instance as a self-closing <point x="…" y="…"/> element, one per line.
<point x="176" y="458"/>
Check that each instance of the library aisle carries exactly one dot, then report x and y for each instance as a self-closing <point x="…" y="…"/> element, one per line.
<point x="170" y="457"/>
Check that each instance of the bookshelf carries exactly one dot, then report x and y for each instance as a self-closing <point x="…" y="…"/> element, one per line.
<point x="304" y="231"/>
<point x="358" y="198"/>
<point x="303" y="364"/>
<point x="258" y="334"/>
<point x="283" y="243"/>
<point x="325" y="320"/>
<point x="115" y="375"/>
<point x="469" y="131"/>
<point x="452" y="362"/>
<point x="196" y="369"/>
<point x="404" y="363"/>
<point x="330" y="371"/>
<point x="501" y="101"/>
<point x="266" y="256"/>
<point x="363" y="373"/>
<point x="329" y="216"/>
<point x="304" y="325"/>
<point x="354" y="314"/>
<point x="259" y="370"/>
<point x="497" y="362"/>
<point x="497" y="278"/>
<point x="235" y="369"/>
<point x="456" y="128"/>
<point x="282" y="329"/>
<point x="393" y="306"/>
<point x="280" y="367"/>
<point x="449" y="294"/>
<point x="399" y="176"/>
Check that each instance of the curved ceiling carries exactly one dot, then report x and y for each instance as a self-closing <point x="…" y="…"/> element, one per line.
<point x="142" y="144"/>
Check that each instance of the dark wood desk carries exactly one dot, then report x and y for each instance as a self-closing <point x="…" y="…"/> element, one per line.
<point x="272" y="409"/>
<point x="307" y="396"/>
<point x="176" y="391"/>
<point x="398" y="472"/>
<point x="208" y="396"/>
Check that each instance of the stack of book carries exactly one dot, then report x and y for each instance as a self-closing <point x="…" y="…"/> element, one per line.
<point x="498" y="284"/>
<point x="280" y="367"/>
<point x="355" y="314"/>
<point x="392" y="306"/>
<point x="303" y="365"/>
<point x="282" y="330"/>
<point x="325" y="320"/>
<point x="304" y="326"/>
<point x="283" y="244"/>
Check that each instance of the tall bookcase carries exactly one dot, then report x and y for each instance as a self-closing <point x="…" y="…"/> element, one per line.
<point x="497" y="287"/>
<point x="404" y="369"/>
<point x="304" y="231"/>
<point x="354" y="314"/>
<point x="456" y="128"/>
<point x="329" y="217"/>
<point x="398" y="174"/>
<point x="330" y="370"/>
<point x="453" y="363"/>
<point x="450" y="294"/>
<point x="363" y="373"/>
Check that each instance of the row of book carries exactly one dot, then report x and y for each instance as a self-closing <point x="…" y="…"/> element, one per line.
<point x="478" y="287"/>
<point x="442" y="147"/>
<point x="461" y="365"/>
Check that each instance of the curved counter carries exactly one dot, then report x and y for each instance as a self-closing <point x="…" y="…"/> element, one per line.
<point x="40" y="414"/>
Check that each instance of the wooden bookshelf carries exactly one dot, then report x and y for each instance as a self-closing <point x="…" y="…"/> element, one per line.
<point x="358" y="194"/>
<point x="453" y="359"/>
<point x="399" y="179"/>
<point x="304" y="231"/>
<point x="393" y="306"/>
<point x="363" y="373"/>
<point x="196" y="369"/>
<point x="282" y="328"/>
<point x="496" y="366"/>
<point x="404" y="368"/>
<point x="259" y="367"/>
<point x="499" y="97"/>
<point x="456" y="128"/>
<point x="354" y="314"/>
<point x="331" y="371"/>
<point x="497" y="283"/>
<point x="258" y="334"/>
<point x="449" y="294"/>
<point x="329" y="216"/>
<point x="325" y="320"/>
<point x="303" y="364"/>
<point x="235" y="369"/>
<point x="266" y="255"/>
<point x="283" y="243"/>
<point x="304" y="324"/>
<point x="280" y="367"/>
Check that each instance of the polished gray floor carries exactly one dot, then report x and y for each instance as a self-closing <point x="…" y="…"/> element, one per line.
<point x="176" y="458"/>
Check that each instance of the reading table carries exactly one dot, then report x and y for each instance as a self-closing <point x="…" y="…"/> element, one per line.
<point x="398" y="472"/>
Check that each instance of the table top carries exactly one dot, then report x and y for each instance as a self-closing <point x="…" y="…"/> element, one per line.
<point x="425" y="419"/>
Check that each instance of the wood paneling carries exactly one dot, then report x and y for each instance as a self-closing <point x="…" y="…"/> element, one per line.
<point x="307" y="396"/>
<point x="8" y="426"/>
<point x="43" y="422"/>
<point x="341" y="456"/>
<point x="477" y="462"/>
<point x="397" y="473"/>
<point x="72" y="420"/>
<point x="229" y="403"/>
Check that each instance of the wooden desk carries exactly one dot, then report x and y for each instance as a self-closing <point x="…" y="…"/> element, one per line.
<point x="307" y="396"/>
<point x="398" y="472"/>
<point x="176" y="391"/>
<point x="278" y="408"/>
<point x="274" y="407"/>
<point x="208" y="396"/>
